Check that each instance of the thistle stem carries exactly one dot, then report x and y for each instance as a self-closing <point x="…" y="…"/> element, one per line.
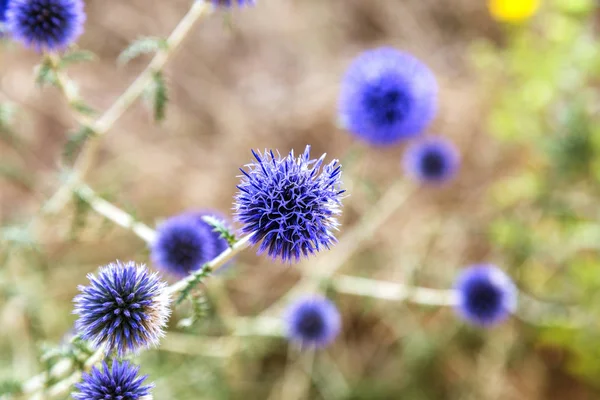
<point x="104" y="123"/>
<point x="115" y="214"/>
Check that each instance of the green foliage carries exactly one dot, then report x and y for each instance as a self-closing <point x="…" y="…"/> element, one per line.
<point x="75" y="57"/>
<point x="83" y="108"/>
<point x="220" y="227"/>
<point x="156" y="93"/>
<point x="10" y="387"/>
<point x="200" y="309"/>
<point x="196" y="279"/>
<point x="548" y="229"/>
<point x="145" y="45"/>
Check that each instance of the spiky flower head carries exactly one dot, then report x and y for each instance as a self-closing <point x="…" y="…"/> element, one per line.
<point x="45" y="24"/>
<point x="431" y="160"/>
<point x="289" y="204"/>
<point x="486" y="295"/>
<point x="387" y="96"/>
<point x="124" y="308"/>
<point x="120" y="382"/>
<point x="312" y="322"/>
<point x="229" y="3"/>
<point x="184" y="243"/>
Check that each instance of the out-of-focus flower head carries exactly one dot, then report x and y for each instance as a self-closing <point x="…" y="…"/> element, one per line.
<point x="387" y="96"/>
<point x="431" y="160"/>
<point x="230" y="3"/>
<point x="184" y="243"/>
<point x="312" y="322"/>
<point x="45" y="24"/>
<point x="486" y="295"/>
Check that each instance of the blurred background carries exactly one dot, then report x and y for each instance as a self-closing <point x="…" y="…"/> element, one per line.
<point x="519" y="98"/>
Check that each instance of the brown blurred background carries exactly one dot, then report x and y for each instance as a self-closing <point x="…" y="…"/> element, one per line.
<point x="267" y="77"/>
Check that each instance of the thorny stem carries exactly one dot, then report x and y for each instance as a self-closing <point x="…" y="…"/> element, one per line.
<point x="100" y="126"/>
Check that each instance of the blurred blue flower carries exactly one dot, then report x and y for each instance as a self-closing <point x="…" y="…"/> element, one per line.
<point x="125" y="308"/>
<point x="45" y="24"/>
<point x="486" y="295"/>
<point x="431" y="160"/>
<point x="289" y="204"/>
<point x="3" y="6"/>
<point x="121" y="382"/>
<point x="184" y="243"/>
<point x="313" y="322"/>
<point x="387" y="96"/>
<point x="229" y="3"/>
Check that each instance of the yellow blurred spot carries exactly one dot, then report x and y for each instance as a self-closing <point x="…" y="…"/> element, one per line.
<point x="513" y="10"/>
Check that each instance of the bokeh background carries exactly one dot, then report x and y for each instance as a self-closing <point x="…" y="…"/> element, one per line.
<point x="519" y="99"/>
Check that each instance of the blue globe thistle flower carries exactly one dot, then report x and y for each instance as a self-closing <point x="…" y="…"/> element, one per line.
<point x="432" y="160"/>
<point x="387" y="96"/>
<point x="3" y="7"/>
<point x="124" y="308"/>
<point x="184" y="243"/>
<point x="45" y="24"/>
<point x="313" y="322"/>
<point x="121" y="382"/>
<point x="229" y="3"/>
<point x="486" y="295"/>
<point x="289" y="204"/>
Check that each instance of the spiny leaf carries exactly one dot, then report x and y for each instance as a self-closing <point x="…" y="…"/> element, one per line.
<point x="76" y="56"/>
<point x="196" y="279"/>
<point x="219" y="226"/>
<point x="200" y="308"/>
<point x="141" y="46"/>
<point x="156" y="93"/>
<point x="76" y="141"/>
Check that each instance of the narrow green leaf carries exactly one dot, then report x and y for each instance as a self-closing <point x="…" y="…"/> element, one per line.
<point x="83" y="108"/>
<point x="145" y="45"/>
<point x="157" y="93"/>
<point x="220" y="227"/>
<point x="75" y="57"/>
<point x="197" y="278"/>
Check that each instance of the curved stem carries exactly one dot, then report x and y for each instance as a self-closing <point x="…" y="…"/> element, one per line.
<point x="100" y="126"/>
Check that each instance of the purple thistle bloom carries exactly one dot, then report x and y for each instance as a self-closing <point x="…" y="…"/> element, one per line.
<point x="3" y="7"/>
<point x="431" y="160"/>
<point x="121" y="382"/>
<point x="486" y="295"/>
<point x="289" y="204"/>
<point x="184" y="243"/>
<point x="45" y="24"/>
<point x="229" y="3"/>
<point x="313" y="322"/>
<point x="125" y="308"/>
<point x="387" y="96"/>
